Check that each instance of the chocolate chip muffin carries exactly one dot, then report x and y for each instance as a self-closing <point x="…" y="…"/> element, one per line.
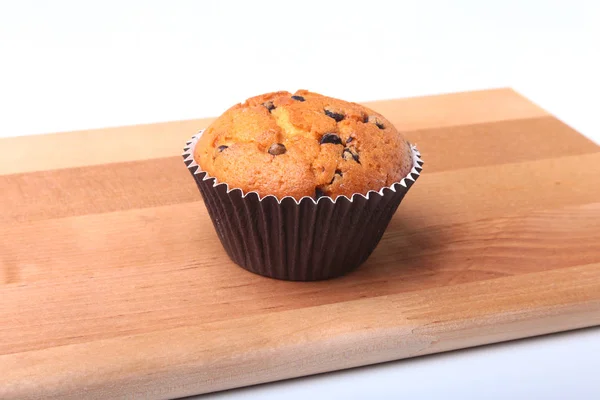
<point x="262" y="164"/>
<point x="304" y="144"/>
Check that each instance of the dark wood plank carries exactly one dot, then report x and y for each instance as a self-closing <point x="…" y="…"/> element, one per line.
<point x="163" y="181"/>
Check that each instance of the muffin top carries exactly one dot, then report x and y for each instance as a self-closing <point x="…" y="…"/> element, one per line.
<point x="304" y="144"/>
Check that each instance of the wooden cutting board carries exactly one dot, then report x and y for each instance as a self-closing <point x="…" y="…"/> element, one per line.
<point x="113" y="283"/>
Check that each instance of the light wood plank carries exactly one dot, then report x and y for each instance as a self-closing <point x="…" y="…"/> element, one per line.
<point x="96" y="146"/>
<point x="167" y="238"/>
<point x="168" y="277"/>
<point x="452" y="109"/>
<point x="140" y="142"/>
<point x="280" y="345"/>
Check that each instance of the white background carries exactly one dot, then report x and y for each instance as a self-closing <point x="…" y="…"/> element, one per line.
<point x="70" y="65"/>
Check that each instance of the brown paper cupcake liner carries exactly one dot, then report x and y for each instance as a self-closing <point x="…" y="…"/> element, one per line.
<point x="303" y="240"/>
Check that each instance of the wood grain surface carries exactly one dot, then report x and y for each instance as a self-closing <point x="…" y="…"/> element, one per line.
<point x="113" y="283"/>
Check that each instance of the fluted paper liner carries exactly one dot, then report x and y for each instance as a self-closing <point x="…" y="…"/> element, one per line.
<point x="302" y="240"/>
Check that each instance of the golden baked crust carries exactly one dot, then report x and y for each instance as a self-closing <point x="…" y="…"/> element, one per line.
<point x="304" y="144"/>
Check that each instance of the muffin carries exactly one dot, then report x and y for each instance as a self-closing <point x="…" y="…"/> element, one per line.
<point x="302" y="145"/>
<point x="301" y="187"/>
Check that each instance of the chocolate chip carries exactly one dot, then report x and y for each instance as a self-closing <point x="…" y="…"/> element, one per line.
<point x="332" y="114"/>
<point x="221" y="148"/>
<point x="319" y="193"/>
<point x="365" y="118"/>
<point x="337" y="173"/>
<point x="375" y="120"/>
<point x="331" y="138"/>
<point x="277" y="149"/>
<point x="349" y="139"/>
<point x="299" y="98"/>
<point x="269" y="105"/>
<point x="350" y="155"/>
